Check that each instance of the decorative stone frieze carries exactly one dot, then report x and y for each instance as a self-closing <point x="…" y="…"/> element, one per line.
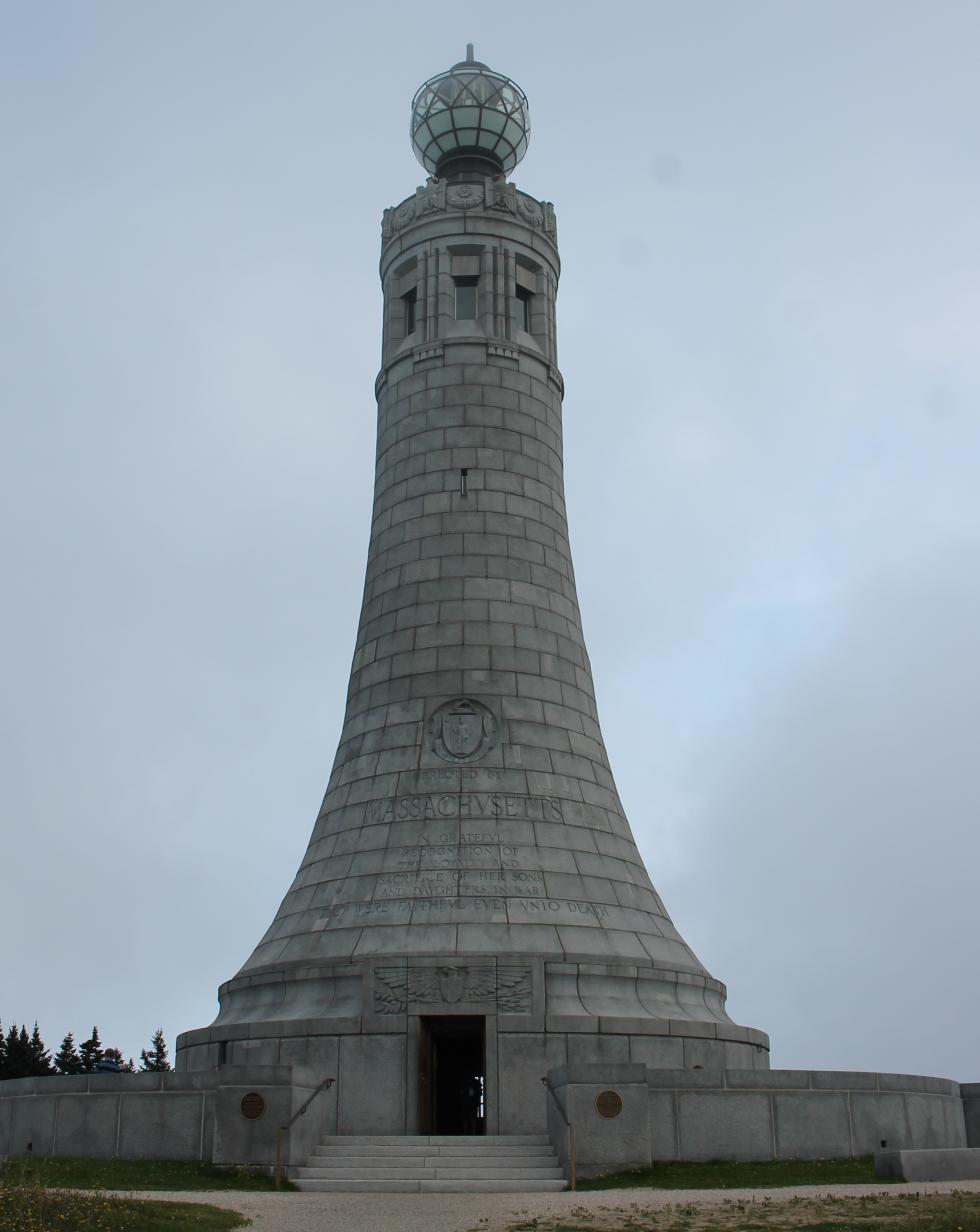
<point x="436" y="196"/>
<point x="506" y="990"/>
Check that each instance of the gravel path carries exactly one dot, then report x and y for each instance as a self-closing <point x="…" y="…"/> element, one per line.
<point x="365" y="1212"/>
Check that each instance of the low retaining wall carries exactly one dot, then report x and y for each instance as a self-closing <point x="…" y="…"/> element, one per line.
<point x="655" y="1114"/>
<point x="751" y="1114"/>
<point x="158" y="1116"/>
<point x="945" y="1165"/>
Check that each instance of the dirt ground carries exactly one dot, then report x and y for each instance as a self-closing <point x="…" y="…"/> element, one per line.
<point x="622" y="1210"/>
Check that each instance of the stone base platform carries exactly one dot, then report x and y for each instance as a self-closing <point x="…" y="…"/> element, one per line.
<point x="376" y="1059"/>
<point x="366" y="1024"/>
<point x="961" y="1164"/>
<point x="624" y="1115"/>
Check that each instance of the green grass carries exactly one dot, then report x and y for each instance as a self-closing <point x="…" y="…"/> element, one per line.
<point x="27" y="1206"/>
<point x="134" y="1174"/>
<point x="726" y="1174"/>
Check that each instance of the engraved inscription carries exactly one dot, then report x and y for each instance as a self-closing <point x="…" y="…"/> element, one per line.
<point x="446" y="897"/>
<point x="563" y="906"/>
<point x="502" y="881"/>
<point x="467" y="907"/>
<point x="460" y="856"/>
<point x="414" y="885"/>
<point x="469" y="850"/>
<point x="441" y="883"/>
<point x="396" y="987"/>
<point x="464" y="805"/>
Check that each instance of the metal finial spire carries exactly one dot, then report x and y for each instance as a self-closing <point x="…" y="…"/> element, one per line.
<point x="469" y="53"/>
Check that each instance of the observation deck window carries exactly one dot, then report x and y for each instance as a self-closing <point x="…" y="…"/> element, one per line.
<point x="466" y="298"/>
<point x="524" y="297"/>
<point x="410" y="301"/>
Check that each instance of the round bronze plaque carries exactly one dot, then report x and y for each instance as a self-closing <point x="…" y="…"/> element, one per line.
<point x="609" y="1103"/>
<point x="253" y="1105"/>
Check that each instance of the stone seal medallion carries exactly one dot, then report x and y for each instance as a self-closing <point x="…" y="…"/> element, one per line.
<point x="463" y="730"/>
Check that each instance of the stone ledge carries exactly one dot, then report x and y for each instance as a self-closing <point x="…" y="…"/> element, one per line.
<point x="821" y="1081"/>
<point x="949" y="1164"/>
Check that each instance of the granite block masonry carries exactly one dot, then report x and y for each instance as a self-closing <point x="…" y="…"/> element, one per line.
<point x="472" y="910"/>
<point x="472" y="943"/>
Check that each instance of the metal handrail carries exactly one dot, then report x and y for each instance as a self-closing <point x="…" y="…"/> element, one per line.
<point x="301" y="1111"/>
<point x="571" y="1132"/>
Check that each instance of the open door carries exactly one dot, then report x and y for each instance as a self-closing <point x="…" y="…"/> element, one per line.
<point x="452" y="1076"/>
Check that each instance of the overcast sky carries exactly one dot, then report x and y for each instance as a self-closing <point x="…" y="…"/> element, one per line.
<point x="769" y="218"/>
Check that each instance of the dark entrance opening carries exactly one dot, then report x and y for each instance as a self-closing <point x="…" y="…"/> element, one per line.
<point x="452" y="1076"/>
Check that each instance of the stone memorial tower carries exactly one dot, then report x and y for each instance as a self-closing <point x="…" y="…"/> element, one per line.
<point x="472" y="910"/>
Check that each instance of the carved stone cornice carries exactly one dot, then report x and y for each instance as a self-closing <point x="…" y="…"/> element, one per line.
<point x="439" y="196"/>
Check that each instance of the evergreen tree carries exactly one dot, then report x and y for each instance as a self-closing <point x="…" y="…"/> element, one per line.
<point x="90" y="1051"/>
<point x="9" y="1051"/>
<point x="155" y="1060"/>
<point x="67" y="1060"/>
<point x="3" y="1054"/>
<point x="17" y="1049"/>
<point x="39" y="1057"/>
<point x="8" y="1056"/>
<point x="23" y="1053"/>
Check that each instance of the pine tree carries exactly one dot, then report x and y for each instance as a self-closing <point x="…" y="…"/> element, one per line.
<point x="155" y="1060"/>
<point x="17" y="1049"/>
<point x="10" y="1052"/>
<point x="90" y="1051"/>
<point x="3" y="1054"/>
<point x="23" y="1053"/>
<point x="67" y="1060"/>
<point x="39" y="1057"/>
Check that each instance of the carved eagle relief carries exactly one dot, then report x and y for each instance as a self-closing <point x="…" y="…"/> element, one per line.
<point x="397" y="987"/>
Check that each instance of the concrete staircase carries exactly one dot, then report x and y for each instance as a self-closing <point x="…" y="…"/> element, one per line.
<point x="496" y="1163"/>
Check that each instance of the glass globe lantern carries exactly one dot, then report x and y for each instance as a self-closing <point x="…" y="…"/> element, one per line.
<point x="469" y="119"/>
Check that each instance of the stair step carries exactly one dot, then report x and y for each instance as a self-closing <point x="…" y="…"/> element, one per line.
<point x="430" y="1152"/>
<point x="491" y="1139"/>
<point x="375" y="1185"/>
<point x="435" y="1139"/>
<point x="432" y="1161"/>
<point x="420" y="1163"/>
<point x="372" y="1186"/>
<point x="363" y="1174"/>
<point x="444" y="1186"/>
<point x="367" y="1161"/>
<point x="429" y="1174"/>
